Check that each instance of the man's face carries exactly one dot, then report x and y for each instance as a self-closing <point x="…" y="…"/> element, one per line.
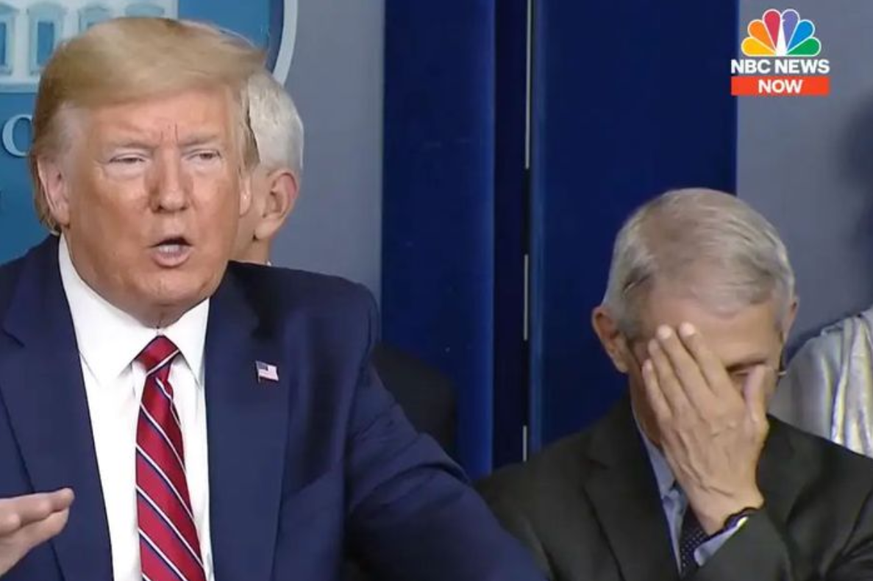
<point x="741" y="340"/>
<point x="148" y="198"/>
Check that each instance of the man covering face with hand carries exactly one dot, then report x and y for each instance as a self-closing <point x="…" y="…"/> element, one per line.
<point x="688" y="477"/>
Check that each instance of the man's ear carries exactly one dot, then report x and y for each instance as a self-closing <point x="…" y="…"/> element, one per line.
<point x="55" y="188"/>
<point x="606" y="328"/>
<point x="279" y="203"/>
<point x="245" y="193"/>
<point x="790" y="317"/>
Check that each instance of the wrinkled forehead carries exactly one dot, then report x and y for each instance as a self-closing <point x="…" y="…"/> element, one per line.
<point x="192" y="115"/>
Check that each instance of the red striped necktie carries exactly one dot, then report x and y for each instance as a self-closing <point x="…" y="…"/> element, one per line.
<point x="168" y="543"/>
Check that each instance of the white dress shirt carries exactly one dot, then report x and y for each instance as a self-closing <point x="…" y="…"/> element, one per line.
<point x="109" y="340"/>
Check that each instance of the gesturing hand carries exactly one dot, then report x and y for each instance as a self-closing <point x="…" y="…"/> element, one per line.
<point x="27" y="521"/>
<point x="711" y="432"/>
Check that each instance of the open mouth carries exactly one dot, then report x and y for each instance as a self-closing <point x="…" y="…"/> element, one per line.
<point x="172" y="251"/>
<point x="172" y="245"/>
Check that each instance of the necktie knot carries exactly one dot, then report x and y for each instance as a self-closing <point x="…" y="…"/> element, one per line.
<point x="158" y="354"/>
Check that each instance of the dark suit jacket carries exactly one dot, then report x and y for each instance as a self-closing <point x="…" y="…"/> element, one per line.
<point x="298" y="469"/>
<point x="425" y="395"/>
<point x="588" y="507"/>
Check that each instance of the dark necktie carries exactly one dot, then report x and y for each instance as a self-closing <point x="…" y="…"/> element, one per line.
<point x="691" y="537"/>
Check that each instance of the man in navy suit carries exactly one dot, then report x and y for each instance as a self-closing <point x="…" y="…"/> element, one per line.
<point x="212" y="421"/>
<point x="425" y="395"/>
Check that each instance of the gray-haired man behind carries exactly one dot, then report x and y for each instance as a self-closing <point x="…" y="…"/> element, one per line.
<point x="688" y="477"/>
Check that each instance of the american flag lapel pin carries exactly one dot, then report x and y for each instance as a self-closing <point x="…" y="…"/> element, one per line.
<point x="266" y="372"/>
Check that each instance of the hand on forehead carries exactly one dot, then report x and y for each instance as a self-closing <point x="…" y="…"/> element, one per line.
<point x="738" y="336"/>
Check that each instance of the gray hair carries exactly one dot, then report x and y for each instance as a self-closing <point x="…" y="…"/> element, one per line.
<point x="715" y="246"/>
<point x="275" y="123"/>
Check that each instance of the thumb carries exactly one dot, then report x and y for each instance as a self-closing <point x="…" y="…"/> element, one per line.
<point x="755" y="395"/>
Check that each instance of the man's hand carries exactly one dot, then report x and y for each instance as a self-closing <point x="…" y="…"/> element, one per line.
<point x="27" y="521"/>
<point x="711" y="434"/>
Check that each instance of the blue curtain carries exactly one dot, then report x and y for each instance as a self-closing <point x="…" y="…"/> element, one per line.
<point x="511" y="238"/>
<point x="630" y="98"/>
<point x="445" y="247"/>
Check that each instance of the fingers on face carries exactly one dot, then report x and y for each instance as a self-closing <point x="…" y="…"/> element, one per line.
<point x="709" y="365"/>
<point x="755" y="393"/>
<point x="668" y="382"/>
<point x="685" y="367"/>
<point x="654" y="394"/>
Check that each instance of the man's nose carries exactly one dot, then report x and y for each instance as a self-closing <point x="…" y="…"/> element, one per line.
<point x="170" y="186"/>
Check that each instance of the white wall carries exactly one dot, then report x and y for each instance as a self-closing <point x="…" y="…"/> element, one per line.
<point x="807" y="164"/>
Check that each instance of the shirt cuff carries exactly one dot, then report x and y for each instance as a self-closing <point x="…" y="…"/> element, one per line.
<point x="706" y="550"/>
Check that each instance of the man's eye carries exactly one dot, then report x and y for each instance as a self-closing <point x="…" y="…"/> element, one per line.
<point x="126" y="160"/>
<point x="741" y="375"/>
<point x="206" y="155"/>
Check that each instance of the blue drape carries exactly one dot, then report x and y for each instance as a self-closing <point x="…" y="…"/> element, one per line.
<point x="438" y="259"/>
<point x="630" y="98"/>
<point x="511" y="186"/>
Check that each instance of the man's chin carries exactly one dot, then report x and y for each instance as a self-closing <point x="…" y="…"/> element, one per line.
<point x="164" y="306"/>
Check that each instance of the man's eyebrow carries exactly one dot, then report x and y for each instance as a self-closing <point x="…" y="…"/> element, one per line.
<point x="201" y="139"/>
<point x="135" y="140"/>
<point x="129" y="143"/>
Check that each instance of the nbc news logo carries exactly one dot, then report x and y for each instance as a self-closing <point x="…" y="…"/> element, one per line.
<point x="781" y="50"/>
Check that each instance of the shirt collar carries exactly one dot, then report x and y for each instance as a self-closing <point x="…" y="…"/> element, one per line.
<point x="109" y="339"/>
<point x="663" y="474"/>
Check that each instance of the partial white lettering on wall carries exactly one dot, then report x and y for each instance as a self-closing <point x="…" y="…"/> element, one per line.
<point x="8" y="135"/>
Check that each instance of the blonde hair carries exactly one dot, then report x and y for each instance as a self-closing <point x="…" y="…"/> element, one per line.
<point x="130" y="59"/>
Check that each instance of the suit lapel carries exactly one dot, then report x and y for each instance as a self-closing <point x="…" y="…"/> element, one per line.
<point x="43" y="389"/>
<point x="624" y="496"/>
<point x="779" y="478"/>
<point x="624" y="493"/>
<point x="248" y="434"/>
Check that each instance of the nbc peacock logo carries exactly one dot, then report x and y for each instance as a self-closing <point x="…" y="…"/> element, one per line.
<point x="781" y="34"/>
<point x="781" y="53"/>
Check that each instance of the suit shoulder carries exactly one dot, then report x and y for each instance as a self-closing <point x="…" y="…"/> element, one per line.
<point x="827" y="460"/>
<point x="286" y="290"/>
<point x="9" y="274"/>
<point x="558" y="465"/>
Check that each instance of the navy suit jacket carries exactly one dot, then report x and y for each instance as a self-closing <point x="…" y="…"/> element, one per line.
<point x="300" y="471"/>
